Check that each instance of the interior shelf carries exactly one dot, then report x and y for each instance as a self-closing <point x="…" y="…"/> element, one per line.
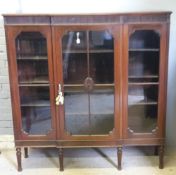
<point x="86" y="114"/>
<point x="79" y="88"/>
<point x="144" y="76"/>
<point x="143" y="83"/>
<point x="32" y="57"/>
<point x="35" y="81"/>
<point x="33" y="85"/>
<point x="144" y="103"/>
<point x="141" y="100"/>
<point x="144" y="50"/>
<point x="39" y="103"/>
<point x="90" y="51"/>
<point x="74" y="51"/>
<point x="101" y="51"/>
<point x="81" y="85"/>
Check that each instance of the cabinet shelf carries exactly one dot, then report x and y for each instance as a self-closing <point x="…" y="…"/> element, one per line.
<point x="140" y="100"/>
<point x="32" y="57"/>
<point x="33" y="85"/>
<point x="35" y="104"/>
<point x="86" y="114"/>
<point x="81" y="85"/>
<point x="143" y="83"/>
<point x="90" y="51"/>
<point x="145" y="50"/>
<point x="144" y="103"/>
<point x="101" y="51"/>
<point x="79" y="88"/>
<point x="145" y="76"/>
<point x="74" y="51"/>
<point x="34" y="81"/>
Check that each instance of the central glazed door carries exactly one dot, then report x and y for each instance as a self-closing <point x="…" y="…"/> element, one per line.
<point x="87" y="77"/>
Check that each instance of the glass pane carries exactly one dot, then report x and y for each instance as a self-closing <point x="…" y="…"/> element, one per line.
<point x="101" y="40"/>
<point x="144" y="39"/>
<point x="142" y="107"/>
<point x="74" y="68"/>
<point x="142" y="118"/>
<point x="143" y="79"/>
<point x="143" y="64"/>
<point x="88" y="72"/>
<point x="142" y="94"/>
<point x="101" y="70"/>
<point x="102" y="111"/>
<point x="32" y="66"/>
<point x="34" y="95"/>
<point x="32" y="71"/>
<point x="32" y="58"/>
<point x="102" y="67"/>
<point x="36" y="120"/>
<point x="35" y="106"/>
<point x="76" y="111"/>
<point x="30" y="44"/>
<point x="74" y="40"/>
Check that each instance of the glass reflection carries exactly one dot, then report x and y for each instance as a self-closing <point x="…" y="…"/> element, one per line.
<point x="74" y="40"/>
<point x="101" y="40"/>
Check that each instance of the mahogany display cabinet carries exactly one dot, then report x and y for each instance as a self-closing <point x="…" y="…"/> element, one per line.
<point x="88" y="80"/>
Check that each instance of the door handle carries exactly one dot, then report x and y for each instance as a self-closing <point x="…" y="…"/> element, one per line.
<point x="60" y="97"/>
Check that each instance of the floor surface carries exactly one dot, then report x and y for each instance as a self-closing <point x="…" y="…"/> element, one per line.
<point x="88" y="161"/>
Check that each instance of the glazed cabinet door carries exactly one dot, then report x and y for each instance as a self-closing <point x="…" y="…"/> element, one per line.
<point x="87" y="74"/>
<point x="144" y="80"/>
<point x="32" y="85"/>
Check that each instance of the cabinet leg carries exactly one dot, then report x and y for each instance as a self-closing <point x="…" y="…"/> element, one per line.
<point x="156" y="150"/>
<point x="26" y="152"/>
<point x="119" y="158"/>
<point x="61" y="159"/>
<point x="18" y="154"/>
<point x="161" y="156"/>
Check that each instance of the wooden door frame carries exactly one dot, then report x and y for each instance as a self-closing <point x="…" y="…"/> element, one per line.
<point x="11" y="33"/>
<point x="161" y="29"/>
<point x="58" y="32"/>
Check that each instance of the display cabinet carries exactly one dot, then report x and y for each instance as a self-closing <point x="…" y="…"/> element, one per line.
<point x="88" y="80"/>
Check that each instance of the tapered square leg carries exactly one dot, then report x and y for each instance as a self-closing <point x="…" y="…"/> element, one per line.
<point x="161" y="156"/>
<point x="119" y="158"/>
<point x="26" y="152"/>
<point x="61" y="162"/>
<point x="18" y="154"/>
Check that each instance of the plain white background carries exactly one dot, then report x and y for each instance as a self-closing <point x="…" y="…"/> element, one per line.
<point x="112" y="6"/>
